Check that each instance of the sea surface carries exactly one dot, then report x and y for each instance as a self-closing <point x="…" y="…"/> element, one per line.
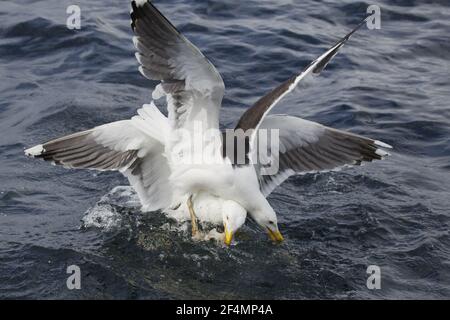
<point x="390" y="84"/>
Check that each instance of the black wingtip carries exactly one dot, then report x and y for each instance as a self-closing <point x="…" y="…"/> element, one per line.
<point x="146" y="8"/>
<point x="357" y="27"/>
<point x="133" y="14"/>
<point x="319" y="68"/>
<point x="136" y="11"/>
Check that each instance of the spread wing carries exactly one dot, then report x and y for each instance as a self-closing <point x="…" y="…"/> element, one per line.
<point x="304" y="146"/>
<point x="252" y="117"/>
<point x="121" y="146"/>
<point x="113" y="146"/>
<point x="191" y="84"/>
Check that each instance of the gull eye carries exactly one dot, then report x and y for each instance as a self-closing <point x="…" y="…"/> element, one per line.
<point x="271" y="222"/>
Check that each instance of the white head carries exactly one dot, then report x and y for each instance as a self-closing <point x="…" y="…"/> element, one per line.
<point x="234" y="216"/>
<point x="267" y="219"/>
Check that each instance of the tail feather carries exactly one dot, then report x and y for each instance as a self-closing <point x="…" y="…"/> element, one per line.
<point x="151" y="121"/>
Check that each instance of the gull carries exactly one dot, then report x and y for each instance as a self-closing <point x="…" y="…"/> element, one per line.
<point x="159" y="155"/>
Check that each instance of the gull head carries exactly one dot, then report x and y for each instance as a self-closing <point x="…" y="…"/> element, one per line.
<point x="267" y="219"/>
<point x="234" y="216"/>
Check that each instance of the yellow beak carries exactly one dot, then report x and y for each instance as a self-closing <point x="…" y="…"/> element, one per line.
<point x="275" y="235"/>
<point x="228" y="237"/>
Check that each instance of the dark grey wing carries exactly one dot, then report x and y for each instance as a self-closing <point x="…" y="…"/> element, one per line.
<point x="253" y="116"/>
<point x="190" y="83"/>
<point x="113" y="146"/>
<point x="301" y="146"/>
<point x="120" y="146"/>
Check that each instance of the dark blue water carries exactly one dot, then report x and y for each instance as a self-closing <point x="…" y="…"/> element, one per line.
<point x="390" y="84"/>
